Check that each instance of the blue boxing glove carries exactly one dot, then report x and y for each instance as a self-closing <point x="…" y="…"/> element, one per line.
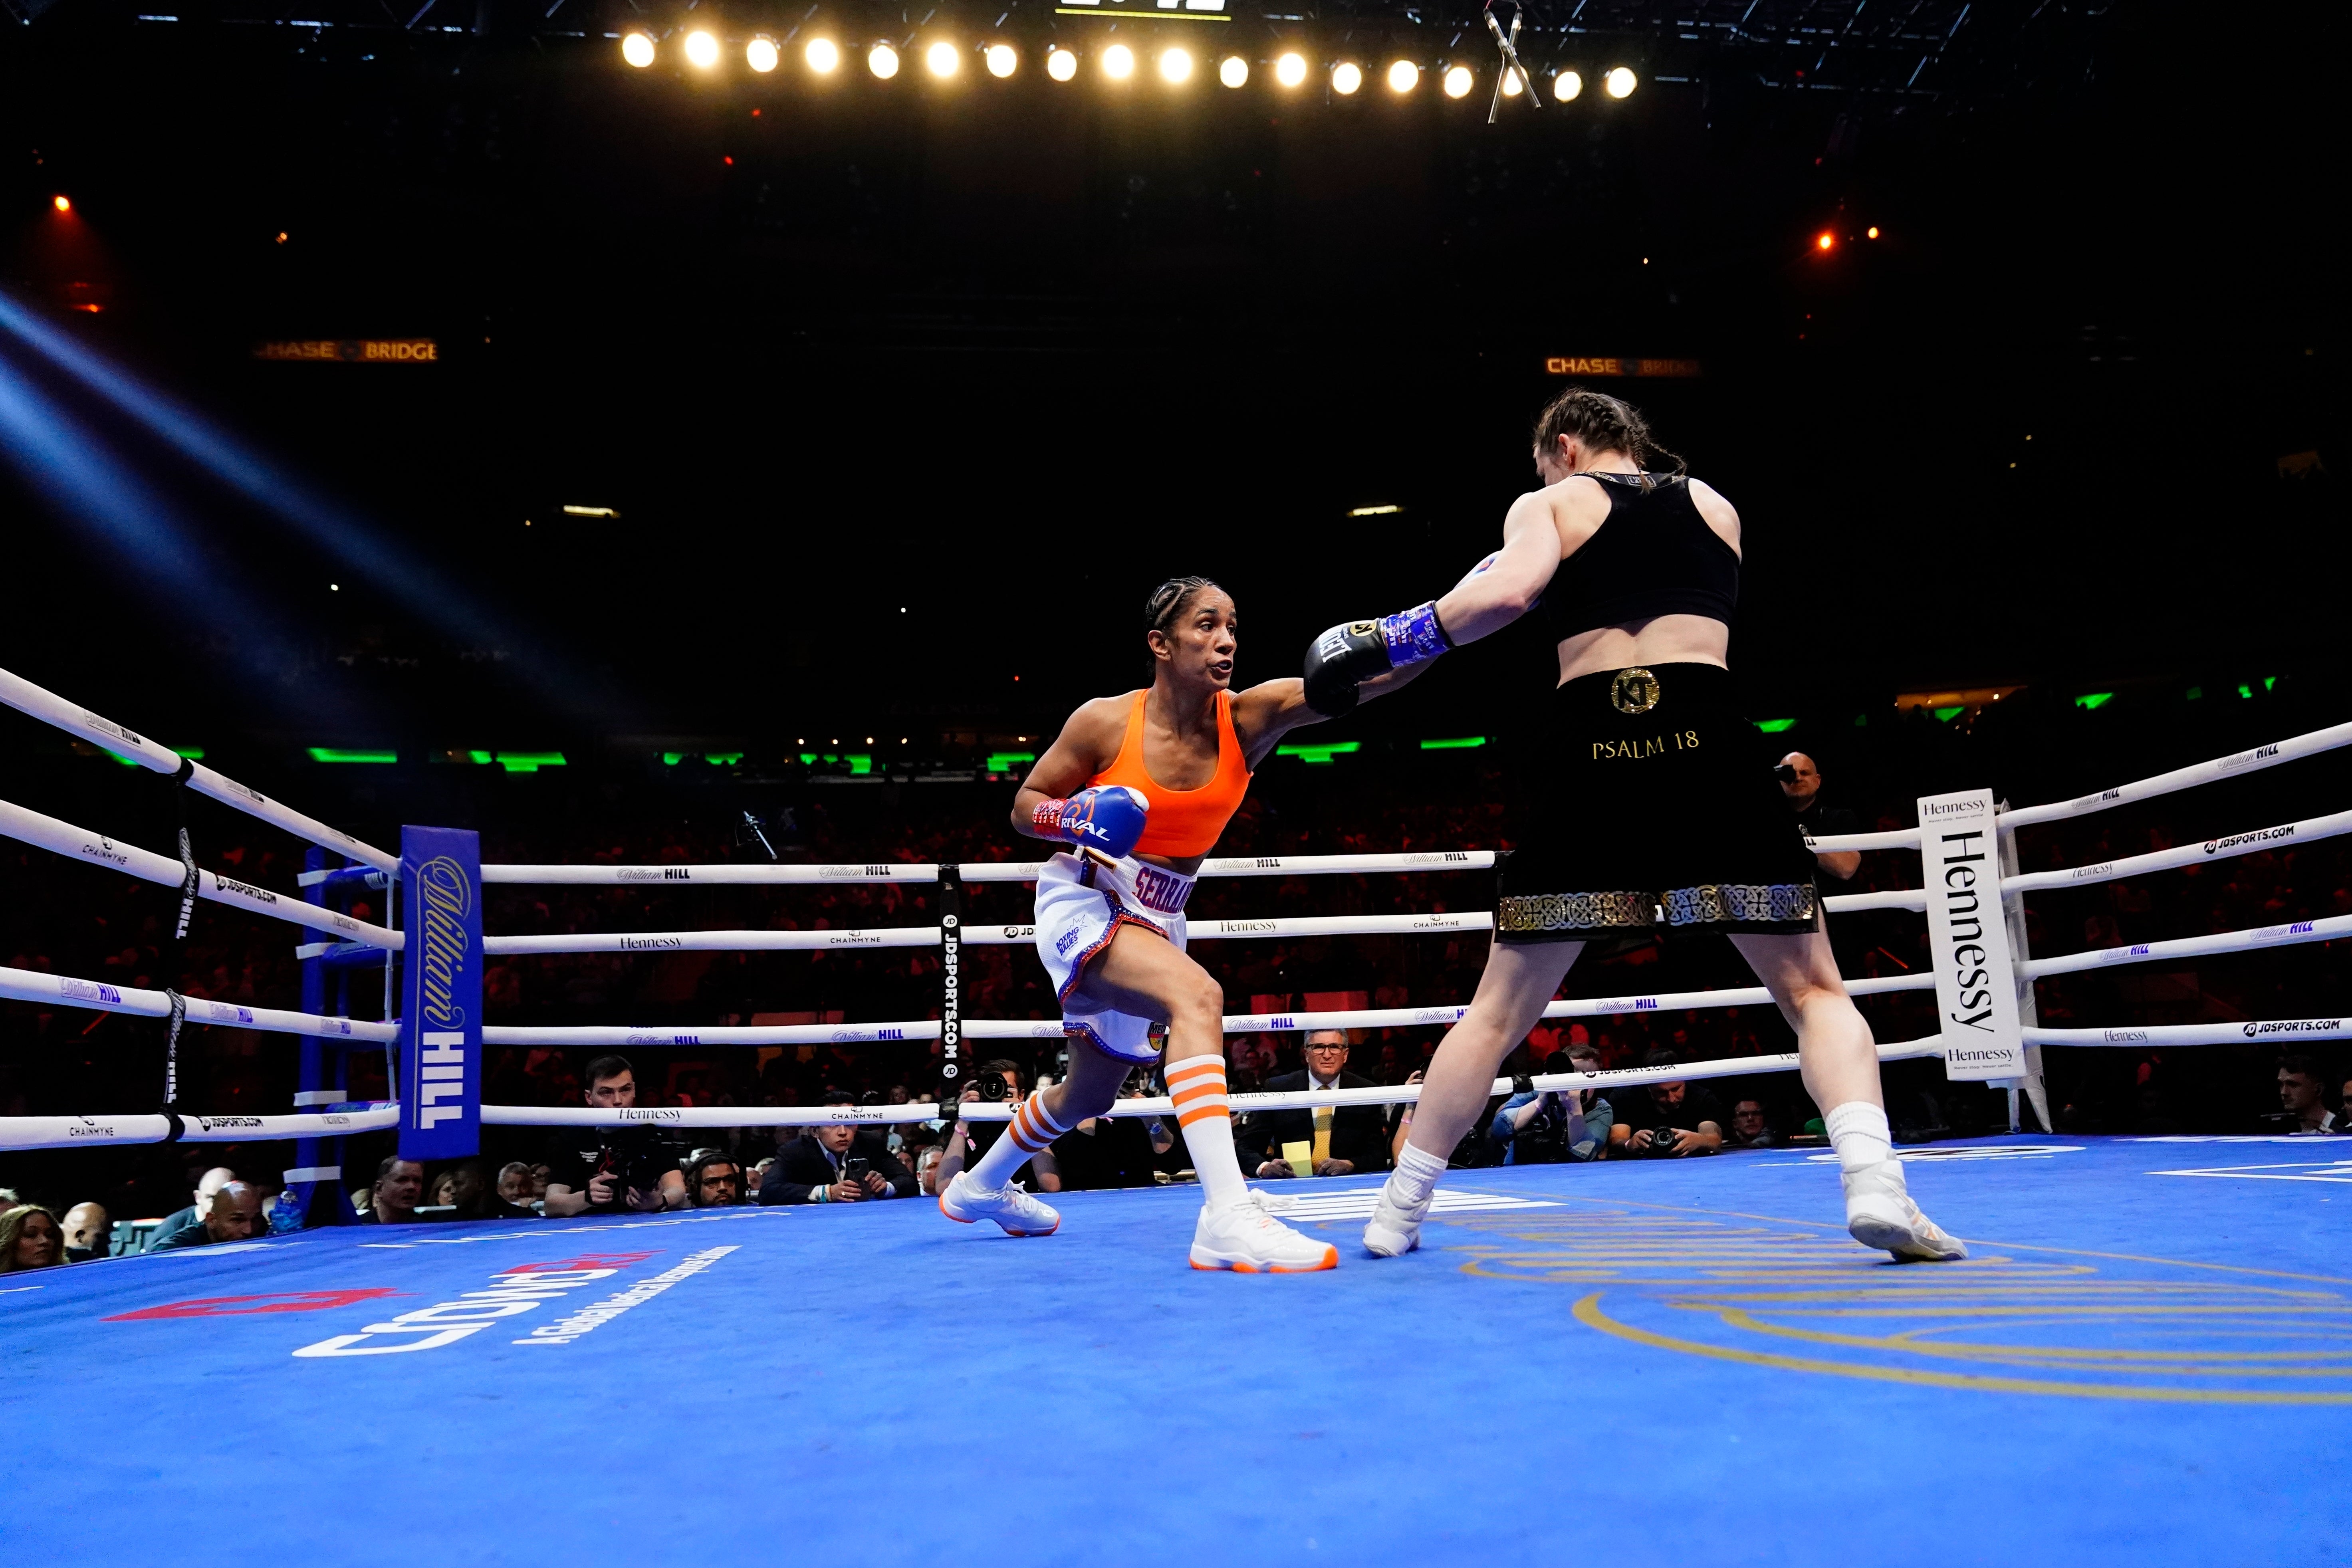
<point x="1108" y="817"/>
<point x="1348" y="654"/>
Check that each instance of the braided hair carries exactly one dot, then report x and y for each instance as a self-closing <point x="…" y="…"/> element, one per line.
<point x="1604" y="424"/>
<point x="1168" y="601"/>
<point x="1167" y="605"/>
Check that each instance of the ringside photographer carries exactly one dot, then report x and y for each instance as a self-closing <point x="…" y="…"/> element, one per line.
<point x="600" y="1170"/>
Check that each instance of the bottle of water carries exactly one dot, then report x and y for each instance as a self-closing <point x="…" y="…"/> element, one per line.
<point x="286" y="1214"/>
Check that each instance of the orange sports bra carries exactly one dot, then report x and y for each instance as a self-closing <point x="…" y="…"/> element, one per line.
<point x="1183" y="822"/>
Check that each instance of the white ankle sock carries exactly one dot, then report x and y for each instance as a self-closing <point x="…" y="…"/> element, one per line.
<point x="1197" y="1086"/>
<point x="1414" y="1180"/>
<point x="1858" y="1132"/>
<point x="1032" y="1129"/>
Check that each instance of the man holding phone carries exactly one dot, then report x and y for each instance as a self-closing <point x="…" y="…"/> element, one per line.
<point x="837" y="1163"/>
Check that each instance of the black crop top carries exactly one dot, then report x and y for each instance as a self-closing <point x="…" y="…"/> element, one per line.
<point x="1654" y="555"/>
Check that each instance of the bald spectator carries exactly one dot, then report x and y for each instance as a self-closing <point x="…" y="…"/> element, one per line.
<point x="87" y="1233"/>
<point x="188" y="1219"/>
<point x="30" y="1238"/>
<point x="399" y="1188"/>
<point x="1801" y="781"/>
<point x="235" y="1215"/>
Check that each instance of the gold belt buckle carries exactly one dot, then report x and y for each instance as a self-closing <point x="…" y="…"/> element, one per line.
<point x="1634" y="690"/>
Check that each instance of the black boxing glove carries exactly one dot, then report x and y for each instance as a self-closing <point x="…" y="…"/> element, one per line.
<point x="1343" y="659"/>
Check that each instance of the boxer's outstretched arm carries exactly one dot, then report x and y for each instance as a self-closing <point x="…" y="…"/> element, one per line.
<point x="1266" y="712"/>
<point x="1507" y="584"/>
<point x="1366" y="659"/>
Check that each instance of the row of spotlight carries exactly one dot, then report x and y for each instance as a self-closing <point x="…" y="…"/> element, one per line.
<point x="1176" y="65"/>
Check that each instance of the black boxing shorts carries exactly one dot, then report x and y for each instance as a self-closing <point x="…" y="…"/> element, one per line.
<point x="1653" y="804"/>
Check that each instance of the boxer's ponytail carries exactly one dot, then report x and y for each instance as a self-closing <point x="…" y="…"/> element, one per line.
<point x="1604" y="424"/>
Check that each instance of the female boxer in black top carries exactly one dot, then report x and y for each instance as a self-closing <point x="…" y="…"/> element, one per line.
<point x="1651" y="794"/>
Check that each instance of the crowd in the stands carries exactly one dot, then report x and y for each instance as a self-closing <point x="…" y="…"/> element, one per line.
<point x="65" y="920"/>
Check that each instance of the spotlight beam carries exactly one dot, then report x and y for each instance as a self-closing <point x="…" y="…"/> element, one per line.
<point x="280" y="495"/>
<point x="70" y="465"/>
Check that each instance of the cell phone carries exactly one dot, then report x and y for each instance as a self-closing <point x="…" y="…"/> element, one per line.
<point x="854" y="1168"/>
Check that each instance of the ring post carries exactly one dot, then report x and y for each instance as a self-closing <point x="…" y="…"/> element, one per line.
<point x="440" y="1091"/>
<point x="2012" y="914"/>
<point x="318" y="1161"/>
<point x="1976" y="987"/>
<point x="952" y="988"/>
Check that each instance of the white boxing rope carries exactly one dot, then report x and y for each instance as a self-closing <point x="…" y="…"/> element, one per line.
<point x="2327" y="929"/>
<point x="1398" y="1094"/>
<point x="1271" y="865"/>
<point x="713" y="876"/>
<point x="974" y="935"/>
<point x="1051" y="1029"/>
<point x="723" y="1035"/>
<point x="2196" y="774"/>
<point x="297" y="1125"/>
<point x="97" y="849"/>
<point x="1893" y="898"/>
<point x="29" y="986"/>
<point x="704" y="1115"/>
<point x="2216" y="1033"/>
<point x="78" y="1131"/>
<point x="1842" y="842"/>
<point x="104" y="732"/>
<point x="1296" y="925"/>
<point x="2286" y="835"/>
<point x="721" y="875"/>
<point x="1571" y="1007"/>
<point x="716" y="941"/>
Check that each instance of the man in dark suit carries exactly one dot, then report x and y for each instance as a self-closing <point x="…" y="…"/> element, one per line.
<point x="1340" y="1140"/>
<point x="839" y="1162"/>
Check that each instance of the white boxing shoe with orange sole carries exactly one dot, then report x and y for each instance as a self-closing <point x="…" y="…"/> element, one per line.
<point x="1015" y="1212"/>
<point x="1246" y="1239"/>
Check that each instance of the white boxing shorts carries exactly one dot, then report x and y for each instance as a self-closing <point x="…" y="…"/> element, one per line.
<point x="1082" y="900"/>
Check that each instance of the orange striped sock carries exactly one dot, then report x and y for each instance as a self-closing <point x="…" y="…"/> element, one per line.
<point x="1033" y="1127"/>
<point x="1197" y="1088"/>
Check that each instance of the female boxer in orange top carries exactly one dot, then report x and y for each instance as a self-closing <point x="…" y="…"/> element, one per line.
<point x="1150" y="778"/>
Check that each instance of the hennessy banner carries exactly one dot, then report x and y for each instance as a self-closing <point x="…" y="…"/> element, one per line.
<point x="1976" y="989"/>
<point x="440" y="1087"/>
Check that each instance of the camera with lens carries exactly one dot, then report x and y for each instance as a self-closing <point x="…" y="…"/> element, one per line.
<point x="637" y="1157"/>
<point x="991" y="1086"/>
<point x="1523" y="1084"/>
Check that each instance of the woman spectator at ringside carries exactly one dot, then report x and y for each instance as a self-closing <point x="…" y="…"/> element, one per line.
<point x="30" y="1237"/>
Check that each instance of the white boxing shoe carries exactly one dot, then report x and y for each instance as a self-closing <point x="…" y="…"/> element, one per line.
<point x="1248" y="1240"/>
<point x="1011" y="1208"/>
<point x="1879" y="1212"/>
<point x="1394" y="1230"/>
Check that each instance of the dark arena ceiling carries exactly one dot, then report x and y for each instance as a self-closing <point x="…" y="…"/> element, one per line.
<point x="883" y="392"/>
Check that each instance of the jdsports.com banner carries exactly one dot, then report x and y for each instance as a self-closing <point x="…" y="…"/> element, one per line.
<point x="441" y="1010"/>
<point x="1976" y="990"/>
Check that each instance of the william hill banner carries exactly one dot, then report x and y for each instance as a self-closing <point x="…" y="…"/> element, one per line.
<point x="441" y="1012"/>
